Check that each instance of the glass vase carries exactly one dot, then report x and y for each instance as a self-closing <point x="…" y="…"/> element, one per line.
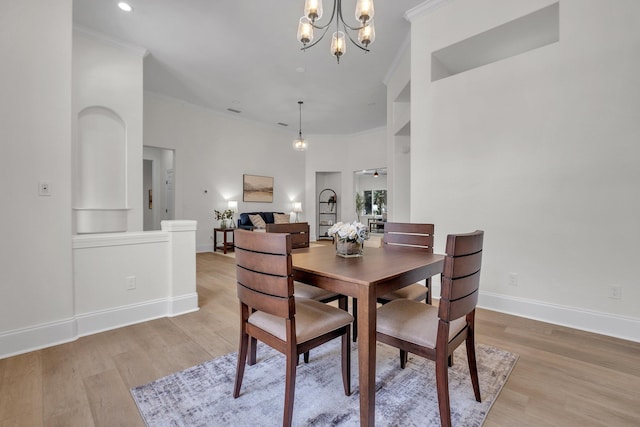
<point x="348" y="248"/>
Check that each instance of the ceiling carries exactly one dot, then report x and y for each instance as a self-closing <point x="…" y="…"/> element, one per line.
<point x="242" y="55"/>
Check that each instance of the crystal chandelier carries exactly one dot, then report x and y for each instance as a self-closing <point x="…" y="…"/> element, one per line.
<point x="299" y="143"/>
<point x="313" y="13"/>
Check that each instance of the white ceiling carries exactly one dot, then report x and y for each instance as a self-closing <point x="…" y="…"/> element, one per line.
<point x="243" y="54"/>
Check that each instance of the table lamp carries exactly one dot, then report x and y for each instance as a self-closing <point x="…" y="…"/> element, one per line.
<point x="297" y="208"/>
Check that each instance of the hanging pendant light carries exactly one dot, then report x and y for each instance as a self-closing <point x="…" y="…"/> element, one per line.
<point x="313" y="12"/>
<point x="299" y="143"/>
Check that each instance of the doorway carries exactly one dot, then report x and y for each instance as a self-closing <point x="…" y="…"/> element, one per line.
<point x="158" y="187"/>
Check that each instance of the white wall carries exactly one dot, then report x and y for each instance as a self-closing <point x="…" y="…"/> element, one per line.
<point x="344" y="154"/>
<point x="35" y="145"/>
<point x="539" y="150"/>
<point x="110" y="76"/>
<point x="399" y="146"/>
<point x="212" y="152"/>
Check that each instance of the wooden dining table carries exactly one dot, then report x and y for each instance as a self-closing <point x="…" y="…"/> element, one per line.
<point x="377" y="272"/>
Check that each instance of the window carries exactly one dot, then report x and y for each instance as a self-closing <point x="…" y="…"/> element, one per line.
<point x="375" y="202"/>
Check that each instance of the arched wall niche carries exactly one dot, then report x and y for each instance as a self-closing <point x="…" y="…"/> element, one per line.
<point x="101" y="192"/>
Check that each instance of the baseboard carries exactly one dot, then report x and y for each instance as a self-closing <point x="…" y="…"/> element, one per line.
<point x="591" y="321"/>
<point x="37" y="337"/>
<point x="183" y="304"/>
<point x="204" y="248"/>
<point x="41" y="336"/>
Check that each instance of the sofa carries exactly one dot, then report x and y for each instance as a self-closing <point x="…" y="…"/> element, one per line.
<point x="299" y="230"/>
<point x="245" y="222"/>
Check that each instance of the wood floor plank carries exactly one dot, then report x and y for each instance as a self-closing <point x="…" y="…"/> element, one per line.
<point x="21" y="393"/>
<point x="62" y="386"/>
<point x="110" y="401"/>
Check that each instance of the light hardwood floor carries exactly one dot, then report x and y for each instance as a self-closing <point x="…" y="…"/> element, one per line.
<point x="564" y="377"/>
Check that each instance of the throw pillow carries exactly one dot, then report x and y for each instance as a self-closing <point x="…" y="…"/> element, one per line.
<point x="281" y="218"/>
<point x="257" y="221"/>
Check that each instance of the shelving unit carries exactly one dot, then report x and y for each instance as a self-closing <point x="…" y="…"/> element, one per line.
<point x="327" y="212"/>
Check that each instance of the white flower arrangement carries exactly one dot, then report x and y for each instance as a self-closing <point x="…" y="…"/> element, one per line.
<point x="351" y="232"/>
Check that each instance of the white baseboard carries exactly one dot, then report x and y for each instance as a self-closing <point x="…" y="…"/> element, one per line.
<point x="591" y="321"/>
<point x="46" y="335"/>
<point x="183" y="304"/>
<point x="204" y="248"/>
<point x="37" y="337"/>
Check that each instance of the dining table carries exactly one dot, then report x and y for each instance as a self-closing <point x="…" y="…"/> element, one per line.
<point x="376" y="272"/>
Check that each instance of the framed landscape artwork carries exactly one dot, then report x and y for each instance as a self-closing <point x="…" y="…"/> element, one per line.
<point x="257" y="188"/>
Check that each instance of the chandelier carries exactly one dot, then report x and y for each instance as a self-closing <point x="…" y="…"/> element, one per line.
<point x="299" y="143"/>
<point x="313" y="13"/>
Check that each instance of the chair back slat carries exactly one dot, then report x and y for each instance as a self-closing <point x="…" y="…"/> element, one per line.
<point x="274" y="264"/>
<point x="461" y="275"/>
<point x="463" y="266"/>
<point x="264" y="272"/>
<point x="264" y="282"/>
<point x="408" y="234"/>
<point x="277" y="306"/>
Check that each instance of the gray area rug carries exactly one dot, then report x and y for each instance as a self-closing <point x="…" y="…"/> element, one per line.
<point x="202" y="395"/>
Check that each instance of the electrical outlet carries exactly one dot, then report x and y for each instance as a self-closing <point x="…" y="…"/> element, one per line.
<point x="513" y="279"/>
<point x="44" y="188"/>
<point x="615" y="292"/>
<point x="131" y="283"/>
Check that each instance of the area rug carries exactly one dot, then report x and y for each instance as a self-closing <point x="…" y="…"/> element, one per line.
<point x="202" y="395"/>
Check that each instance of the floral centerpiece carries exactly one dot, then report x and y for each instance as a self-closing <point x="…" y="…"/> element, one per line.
<point x="223" y="217"/>
<point x="349" y="238"/>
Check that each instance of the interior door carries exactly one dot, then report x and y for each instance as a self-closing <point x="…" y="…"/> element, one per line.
<point x="170" y="193"/>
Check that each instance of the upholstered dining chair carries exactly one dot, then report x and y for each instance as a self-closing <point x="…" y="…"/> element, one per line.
<point x="414" y="235"/>
<point x="435" y="332"/>
<point x="270" y="313"/>
<point x="419" y="236"/>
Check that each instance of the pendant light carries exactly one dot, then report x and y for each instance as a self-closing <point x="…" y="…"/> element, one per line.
<point x="299" y="143"/>
<point x="376" y="174"/>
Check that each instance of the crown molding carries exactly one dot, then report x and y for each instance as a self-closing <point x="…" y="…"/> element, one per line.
<point x="138" y="50"/>
<point x="426" y="7"/>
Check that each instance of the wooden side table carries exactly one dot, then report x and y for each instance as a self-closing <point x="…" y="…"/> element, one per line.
<point x="226" y="243"/>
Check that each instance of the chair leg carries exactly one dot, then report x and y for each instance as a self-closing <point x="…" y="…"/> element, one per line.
<point x="289" y="389"/>
<point x="346" y="361"/>
<point x="404" y="357"/>
<point x="242" y="360"/>
<point x="471" y="356"/>
<point x="253" y="350"/>
<point x="306" y="357"/>
<point x="429" y="289"/>
<point x="355" y="318"/>
<point x="442" y="384"/>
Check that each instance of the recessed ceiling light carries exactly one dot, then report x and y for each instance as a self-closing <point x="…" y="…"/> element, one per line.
<point x="125" y="6"/>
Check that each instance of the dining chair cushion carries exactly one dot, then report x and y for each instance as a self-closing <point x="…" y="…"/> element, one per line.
<point x="302" y="290"/>
<point x="313" y="319"/>
<point x="414" y="321"/>
<point x="415" y="291"/>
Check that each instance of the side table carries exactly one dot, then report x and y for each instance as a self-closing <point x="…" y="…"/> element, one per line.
<point x="226" y="243"/>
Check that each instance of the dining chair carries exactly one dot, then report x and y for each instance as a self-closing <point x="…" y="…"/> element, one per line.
<point x="417" y="236"/>
<point x="435" y="332"/>
<point x="270" y="313"/>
